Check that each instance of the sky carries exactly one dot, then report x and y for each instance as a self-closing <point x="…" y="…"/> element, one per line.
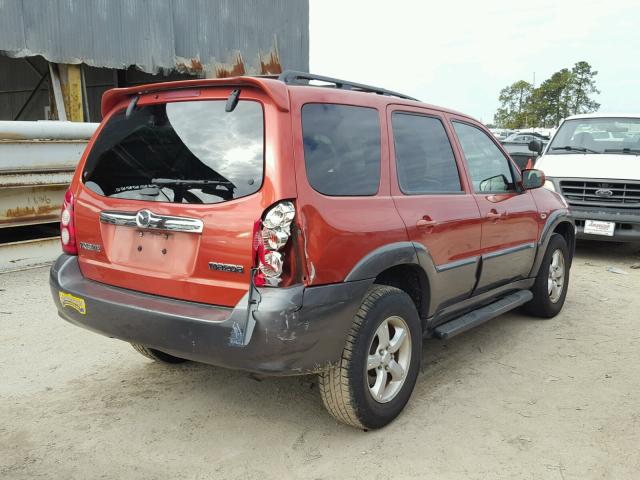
<point x="460" y="54"/>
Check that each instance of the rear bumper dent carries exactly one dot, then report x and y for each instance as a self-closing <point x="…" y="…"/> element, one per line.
<point x="297" y="330"/>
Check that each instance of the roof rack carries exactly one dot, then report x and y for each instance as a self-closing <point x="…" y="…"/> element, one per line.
<point x="292" y="77"/>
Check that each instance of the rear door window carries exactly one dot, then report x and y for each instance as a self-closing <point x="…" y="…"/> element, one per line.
<point x="424" y="156"/>
<point x="341" y="148"/>
<point x="180" y="152"/>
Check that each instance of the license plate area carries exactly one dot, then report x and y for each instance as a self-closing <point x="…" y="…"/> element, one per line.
<point x="599" y="227"/>
<point x="155" y="251"/>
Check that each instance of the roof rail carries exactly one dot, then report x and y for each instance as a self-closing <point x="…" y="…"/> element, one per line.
<point x="292" y="77"/>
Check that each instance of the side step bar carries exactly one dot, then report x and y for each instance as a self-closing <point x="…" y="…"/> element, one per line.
<point x="476" y="317"/>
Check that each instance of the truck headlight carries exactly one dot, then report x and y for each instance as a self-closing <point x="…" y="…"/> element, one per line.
<point x="548" y="184"/>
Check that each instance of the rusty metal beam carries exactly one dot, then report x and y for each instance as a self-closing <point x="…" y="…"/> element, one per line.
<point x="43" y="130"/>
<point x="37" y="160"/>
<point x="71" y="85"/>
<point x="30" y="205"/>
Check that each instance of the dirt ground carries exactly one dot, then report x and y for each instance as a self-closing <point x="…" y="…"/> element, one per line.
<point x="515" y="398"/>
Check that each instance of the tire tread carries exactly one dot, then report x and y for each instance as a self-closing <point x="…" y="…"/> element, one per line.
<point x="334" y="384"/>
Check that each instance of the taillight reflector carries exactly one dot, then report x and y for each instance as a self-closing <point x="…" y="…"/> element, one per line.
<point x="269" y="238"/>
<point x="67" y="225"/>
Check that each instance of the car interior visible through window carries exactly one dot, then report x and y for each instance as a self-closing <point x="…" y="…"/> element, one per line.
<point x="424" y="157"/>
<point x="489" y="169"/>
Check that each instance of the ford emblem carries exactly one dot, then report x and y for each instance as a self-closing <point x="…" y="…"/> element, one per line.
<point x="604" y="192"/>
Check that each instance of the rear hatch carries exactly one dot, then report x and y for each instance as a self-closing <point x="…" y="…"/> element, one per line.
<point x="170" y="192"/>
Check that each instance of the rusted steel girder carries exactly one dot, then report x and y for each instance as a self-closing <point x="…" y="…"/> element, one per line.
<point x="37" y="160"/>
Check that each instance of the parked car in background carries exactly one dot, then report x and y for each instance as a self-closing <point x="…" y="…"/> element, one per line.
<point x="270" y="225"/>
<point x="501" y="133"/>
<point x="593" y="160"/>
<point x="525" y="137"/>
<point x="517" y="145"/>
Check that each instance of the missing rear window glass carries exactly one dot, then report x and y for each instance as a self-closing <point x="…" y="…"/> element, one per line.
<point x="181" y="152"/>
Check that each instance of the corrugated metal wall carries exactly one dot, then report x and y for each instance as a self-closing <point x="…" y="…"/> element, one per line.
<point x="146" y="40"/>
<point x="155" y="34"/>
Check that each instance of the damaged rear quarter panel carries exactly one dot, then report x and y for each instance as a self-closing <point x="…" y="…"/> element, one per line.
<point x="309" y="336"/>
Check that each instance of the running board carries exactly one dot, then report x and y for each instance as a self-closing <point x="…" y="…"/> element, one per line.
<point x="481" y="315"/>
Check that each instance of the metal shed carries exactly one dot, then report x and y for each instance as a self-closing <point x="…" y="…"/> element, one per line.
<point x="127" y="42"/>
<point x="156" y="35"/>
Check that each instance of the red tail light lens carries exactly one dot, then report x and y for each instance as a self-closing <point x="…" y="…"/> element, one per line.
<point x="67" y="226"/>
<point x="270" y="237"/>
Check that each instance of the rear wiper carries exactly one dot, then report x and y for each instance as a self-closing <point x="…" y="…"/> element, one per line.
<point x="179" y="182"/>
<point x="632" y="151"/>
<point x="571" y="148"/>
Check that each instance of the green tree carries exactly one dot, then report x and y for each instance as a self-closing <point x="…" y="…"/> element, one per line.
<point x="513" y="111"/>
<point x="566" y="92"/>
<point x="583" y="85"/>
<point x="551" y="100"/>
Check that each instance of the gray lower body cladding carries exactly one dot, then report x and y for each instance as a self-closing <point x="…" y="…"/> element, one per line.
<point x="297" y="330"/>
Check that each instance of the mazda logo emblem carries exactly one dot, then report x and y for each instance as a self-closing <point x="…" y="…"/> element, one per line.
<point x="604" y="192"/>
<point x="143" y="218"/>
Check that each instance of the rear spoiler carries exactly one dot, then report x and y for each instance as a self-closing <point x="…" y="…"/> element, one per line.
<point x="275" y="89"/>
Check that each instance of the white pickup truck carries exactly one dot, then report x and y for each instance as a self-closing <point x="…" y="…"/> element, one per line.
<point x="593" y="161"/>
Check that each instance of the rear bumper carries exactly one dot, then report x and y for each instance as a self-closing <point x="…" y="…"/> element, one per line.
<point x="627" y="225"/>
<point x="297" y="330"/>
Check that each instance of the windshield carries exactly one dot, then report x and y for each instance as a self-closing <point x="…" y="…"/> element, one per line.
<point x="181" y="152"/>
<point x="597" y="135"/>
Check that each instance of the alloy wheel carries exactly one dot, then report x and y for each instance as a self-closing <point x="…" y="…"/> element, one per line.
<point x="555" y="283"/>
<point x="389" y="359"/>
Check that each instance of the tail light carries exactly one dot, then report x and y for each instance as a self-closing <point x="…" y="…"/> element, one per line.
<point x="270" y="237"/>
<point x="67" y="225"/>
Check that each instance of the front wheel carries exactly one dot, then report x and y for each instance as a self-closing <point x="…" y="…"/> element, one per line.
<point x="380" y="361"/>
<point x="550" y="288"/>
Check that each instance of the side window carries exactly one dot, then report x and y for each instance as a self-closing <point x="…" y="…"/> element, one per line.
<point x="341" y="148"/>
<point x="488" y="167"/>
<point x="424" y="157"/>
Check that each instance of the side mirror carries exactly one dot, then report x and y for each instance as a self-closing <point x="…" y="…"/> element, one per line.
<point x="536" y="146"/>
<point x="532" y="178"/>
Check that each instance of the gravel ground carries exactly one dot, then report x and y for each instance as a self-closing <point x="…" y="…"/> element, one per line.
<point x="514" y="398"/>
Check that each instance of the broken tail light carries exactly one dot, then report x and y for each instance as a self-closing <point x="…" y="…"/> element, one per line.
<point x="67" y="225"/>
<point x="270" y="250"/>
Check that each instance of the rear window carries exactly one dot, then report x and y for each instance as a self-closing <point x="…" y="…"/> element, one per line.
<point x="181" y="152"/>
<point x="341" y="148"/>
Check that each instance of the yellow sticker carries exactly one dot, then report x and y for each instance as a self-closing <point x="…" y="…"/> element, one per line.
<point x="77" y="303"/>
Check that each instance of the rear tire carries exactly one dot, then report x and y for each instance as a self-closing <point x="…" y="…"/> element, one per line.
<point x="550" y="288"/>
<point x="380" y="362"/>
<point x="156" y="355"/>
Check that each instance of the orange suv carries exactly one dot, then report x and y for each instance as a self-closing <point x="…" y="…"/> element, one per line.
<point x="302" y="225"/>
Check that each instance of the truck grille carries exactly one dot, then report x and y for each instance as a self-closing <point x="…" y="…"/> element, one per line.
<point x="601" y="193"/>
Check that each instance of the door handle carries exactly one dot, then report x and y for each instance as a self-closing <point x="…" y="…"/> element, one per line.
<point x="426" y="222"/>
<point x="495" y="215"/>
